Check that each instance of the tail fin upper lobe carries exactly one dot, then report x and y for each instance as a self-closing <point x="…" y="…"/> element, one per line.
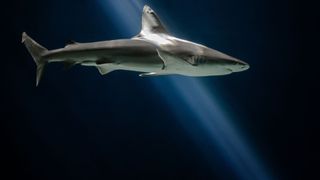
<point x="36" y="51"/>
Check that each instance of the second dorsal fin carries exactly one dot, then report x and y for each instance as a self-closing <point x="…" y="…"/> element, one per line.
<point x="71" y="42"/>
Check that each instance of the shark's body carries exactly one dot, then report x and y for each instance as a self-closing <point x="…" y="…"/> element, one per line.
<point x="153" y="51"/>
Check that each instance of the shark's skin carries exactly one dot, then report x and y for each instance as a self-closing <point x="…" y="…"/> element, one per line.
<point x="153" y="52"/>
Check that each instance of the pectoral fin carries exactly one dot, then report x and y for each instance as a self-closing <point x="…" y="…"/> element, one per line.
<point x="170" y="60"/>
<point x="164" y="61"/>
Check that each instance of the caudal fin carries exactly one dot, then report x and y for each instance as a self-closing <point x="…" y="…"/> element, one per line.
<point x="36" y="51"/>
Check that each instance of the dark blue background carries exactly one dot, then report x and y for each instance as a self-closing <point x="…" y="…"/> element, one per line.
<point x="80" y="125"/>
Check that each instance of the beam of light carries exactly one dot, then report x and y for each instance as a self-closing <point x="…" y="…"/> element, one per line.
<point x="190" y="95"/>
<point x="215" y="122"/>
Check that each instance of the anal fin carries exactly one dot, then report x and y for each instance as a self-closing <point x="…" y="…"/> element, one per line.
<point x="105" y="69"/>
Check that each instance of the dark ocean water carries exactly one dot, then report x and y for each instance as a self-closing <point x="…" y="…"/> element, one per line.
<point x="257" y="124"/>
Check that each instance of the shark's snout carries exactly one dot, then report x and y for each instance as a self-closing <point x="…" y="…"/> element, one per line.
<point x="244" y="66"/>
<point x="238" y="65"/>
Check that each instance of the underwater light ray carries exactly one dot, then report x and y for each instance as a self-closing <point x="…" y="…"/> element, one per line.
<point x="195" y="98"/>
<point x="216" y="123"/>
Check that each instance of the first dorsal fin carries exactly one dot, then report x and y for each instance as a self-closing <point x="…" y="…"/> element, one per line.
<point x="151" y="23"/>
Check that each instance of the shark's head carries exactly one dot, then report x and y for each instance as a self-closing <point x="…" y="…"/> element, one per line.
<point x="206" y="61"/>
<point x="219" y="63"/>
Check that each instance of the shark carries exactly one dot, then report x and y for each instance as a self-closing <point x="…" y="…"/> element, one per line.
<point x="153" y="52"/>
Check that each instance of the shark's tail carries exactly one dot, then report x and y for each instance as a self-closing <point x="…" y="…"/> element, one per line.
<point x="36" y="51"/>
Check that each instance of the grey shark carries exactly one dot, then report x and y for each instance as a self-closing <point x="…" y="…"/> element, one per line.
<point x="153" y="52"/>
